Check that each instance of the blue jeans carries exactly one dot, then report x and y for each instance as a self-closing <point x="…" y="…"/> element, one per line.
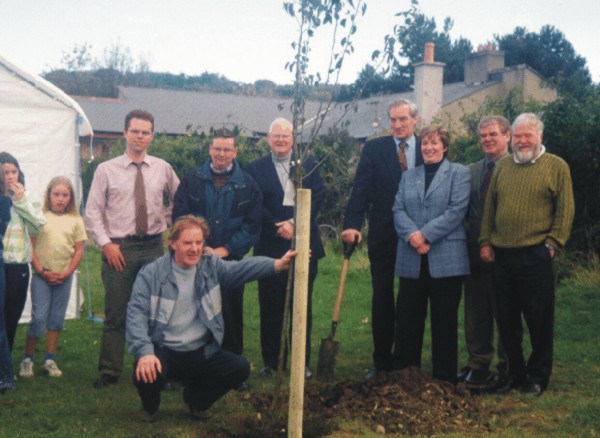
<point x="48" y="306"/>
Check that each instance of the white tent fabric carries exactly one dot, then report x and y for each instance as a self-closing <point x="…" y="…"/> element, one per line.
<point x="40" y="125"/>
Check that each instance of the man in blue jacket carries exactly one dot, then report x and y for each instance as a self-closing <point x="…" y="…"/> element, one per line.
<point x="174" y="320"/>
<point x="230" y="201"/>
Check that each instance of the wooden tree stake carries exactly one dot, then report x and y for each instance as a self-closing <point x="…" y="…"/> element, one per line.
<point x="299" y="314"/>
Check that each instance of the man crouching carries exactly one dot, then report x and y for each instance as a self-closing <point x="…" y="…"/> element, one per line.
<point x="174" y="321"/>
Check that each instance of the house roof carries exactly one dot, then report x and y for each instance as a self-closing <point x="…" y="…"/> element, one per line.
<point x="369" y="116"/>
<point x="177" y="112"/>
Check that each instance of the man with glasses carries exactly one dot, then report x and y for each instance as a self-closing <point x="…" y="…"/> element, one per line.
<point x="126" y="216"/>
<point x="230" y="201"/>
<point x="274" y="175"/>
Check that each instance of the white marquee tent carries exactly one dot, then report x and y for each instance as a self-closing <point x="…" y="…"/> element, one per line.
<point x="40" y="125"/>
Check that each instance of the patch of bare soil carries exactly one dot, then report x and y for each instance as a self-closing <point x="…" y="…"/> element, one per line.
<point x="407" y="402"/>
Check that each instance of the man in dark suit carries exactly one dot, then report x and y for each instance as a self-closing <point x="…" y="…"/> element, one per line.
<point x="376" y="182"/>
<point x="274" y="175"/>
<point x="480" y="309"/>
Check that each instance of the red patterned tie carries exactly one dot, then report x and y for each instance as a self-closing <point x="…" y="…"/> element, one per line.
<point x="402" y="155"/>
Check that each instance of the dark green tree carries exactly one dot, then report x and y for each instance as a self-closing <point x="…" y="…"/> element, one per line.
<point x="547" y="52"/>
<point x="573" y="132"/>
<point x="413" y="36"/>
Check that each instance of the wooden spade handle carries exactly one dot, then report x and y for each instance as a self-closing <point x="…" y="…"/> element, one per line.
<point x="348" y="250"/>
<point x="340" y="292"/>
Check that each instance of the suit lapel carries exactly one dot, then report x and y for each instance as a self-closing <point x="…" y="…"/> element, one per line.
<point x="420" y="181"/>
<point x="418" y="153"/>
<point x="439" y="177"/>
<point x="475" y="181"/>
<point x="271" y="174"/>
<point x="390" y="157"/>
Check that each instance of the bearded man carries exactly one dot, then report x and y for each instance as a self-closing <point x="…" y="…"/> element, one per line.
<point x="527" y="217"/>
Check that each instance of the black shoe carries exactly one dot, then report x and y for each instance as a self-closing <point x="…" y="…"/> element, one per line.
<point x="478" y="377"/>
<point x="371" y="373"/>
<point x="105" y="380"/>
<point x="199" y="415"/>
<point x="463" y="373"/>
<point x="267" y="370"/>
<point x="533" y="389"/>
<point x="245" y="386"/>
<point x="509" y="384"/>
<point x="307" y="373"/>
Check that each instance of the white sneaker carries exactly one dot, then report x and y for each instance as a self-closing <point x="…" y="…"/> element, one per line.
<point x="26" y="368"/>
<point x="51" y="368"/>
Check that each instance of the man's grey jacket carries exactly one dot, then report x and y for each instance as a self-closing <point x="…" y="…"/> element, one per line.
<point x="155" y="292"/>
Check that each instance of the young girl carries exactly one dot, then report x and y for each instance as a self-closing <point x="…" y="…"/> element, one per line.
<point x="6" y="371"/>
<point x="57" y="251"/>
<point x="26" y="218"/>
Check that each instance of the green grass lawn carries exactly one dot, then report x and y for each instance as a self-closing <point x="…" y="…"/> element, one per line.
<point x="69" y="406"/>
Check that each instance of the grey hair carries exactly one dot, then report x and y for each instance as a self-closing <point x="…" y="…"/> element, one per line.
<point x="501" y="121"/>
<point x="284" y="123"/>
<point x="530" y="120"/>
<point x="412" y="107"/>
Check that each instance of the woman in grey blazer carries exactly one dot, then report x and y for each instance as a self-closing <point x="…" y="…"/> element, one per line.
<point x="431" y="258"/>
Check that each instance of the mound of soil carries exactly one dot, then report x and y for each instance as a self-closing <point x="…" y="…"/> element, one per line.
<point x="407" y="401"/>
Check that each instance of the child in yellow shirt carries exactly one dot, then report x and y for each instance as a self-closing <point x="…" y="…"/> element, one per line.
<point x="57" y="252"/>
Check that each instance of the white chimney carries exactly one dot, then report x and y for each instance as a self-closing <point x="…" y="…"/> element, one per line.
<point x="428" y="86"/>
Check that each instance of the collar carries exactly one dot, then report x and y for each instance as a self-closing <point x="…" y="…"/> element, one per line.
<point x="237" y="176"/>
<point x="486" y="160"/>
<point x="533" y="160"/>
<point x="216" y="172"/>
<point x="126" y="160"/>
<point x="285" y="159"/>
<point x="410" y="141"/>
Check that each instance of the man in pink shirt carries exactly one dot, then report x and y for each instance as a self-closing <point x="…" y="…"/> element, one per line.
<point x="126" y="216"/>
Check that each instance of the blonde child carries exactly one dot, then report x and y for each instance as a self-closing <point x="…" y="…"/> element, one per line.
<point x="57" y="251"/>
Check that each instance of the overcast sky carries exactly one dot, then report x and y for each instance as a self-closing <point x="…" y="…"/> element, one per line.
<point x="247" y="40"/>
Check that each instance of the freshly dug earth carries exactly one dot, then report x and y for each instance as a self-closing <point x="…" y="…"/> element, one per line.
<point x="404" y="402"/>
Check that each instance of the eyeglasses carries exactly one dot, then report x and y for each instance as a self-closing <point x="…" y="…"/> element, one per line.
<point x="222" y="151"/>
<point x="280" y="136"/>
<point x="138" y="132"/>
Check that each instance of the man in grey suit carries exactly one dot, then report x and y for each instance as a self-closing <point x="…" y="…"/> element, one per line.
<point x="480" y="308"/>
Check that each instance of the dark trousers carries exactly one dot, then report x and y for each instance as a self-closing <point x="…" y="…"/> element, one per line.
<point x="480" y="317"/>
<point x="443" y="295"/>
<point x="383" y="318"/>
<point x="233" y="318"/>
<point x="524" y="281"/>
<point x="6" y="366"/>
<point x="271" y="297"/>
<point x="117" y="287"/>
<point x="17" y="281"/>
<point x="204" y="380"/>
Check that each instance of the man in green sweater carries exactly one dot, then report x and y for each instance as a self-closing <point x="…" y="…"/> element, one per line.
<point x="527" y="216"/>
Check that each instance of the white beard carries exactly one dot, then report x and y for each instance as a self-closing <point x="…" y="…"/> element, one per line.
<point x="528" y="155"/>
